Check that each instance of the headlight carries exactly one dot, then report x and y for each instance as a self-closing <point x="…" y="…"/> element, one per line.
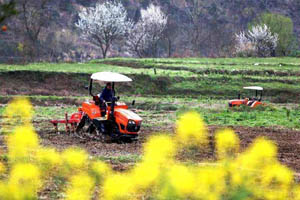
<point x="131" y="122"/>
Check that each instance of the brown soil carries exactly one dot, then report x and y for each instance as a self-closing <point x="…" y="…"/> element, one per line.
<point x="42" y="83"/>
<point x="288" y="142"/>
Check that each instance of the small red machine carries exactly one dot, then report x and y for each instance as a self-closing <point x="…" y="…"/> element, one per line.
<point x="251" y="102"/>
<point x="112" y="121"/>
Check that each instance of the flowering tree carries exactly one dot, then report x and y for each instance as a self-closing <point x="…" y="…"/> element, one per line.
<point x="147" y="31"/>
<point x="244" y="46"/>
<point x="104" y="24"/>
<point x="258" y="39"/>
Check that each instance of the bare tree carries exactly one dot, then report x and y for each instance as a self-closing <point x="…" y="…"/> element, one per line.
<point x="147" y="31"/>
<point x="34" y="16"/>
<point x="104" y="24"/>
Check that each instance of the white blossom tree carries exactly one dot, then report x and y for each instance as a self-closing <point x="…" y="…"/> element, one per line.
<point x="265" y="41"/>
<point x="244" y="46"/>
<point x="147" y="31"/>
<point x="104" y="23"/>
<point x="258" y="39"/>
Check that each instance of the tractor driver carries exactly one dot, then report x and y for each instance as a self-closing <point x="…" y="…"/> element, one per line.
<point x="105" y="96"/>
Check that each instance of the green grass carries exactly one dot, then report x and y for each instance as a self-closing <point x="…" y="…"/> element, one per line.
<point x="274" y="61"/>
<point x="179" y="86"/>
<point x="259" y="117"/>
<point x="280" y="64"/>
<point x="129" y="158"/>
<point x="87" y="68"/>
<point x="164" y="112"/>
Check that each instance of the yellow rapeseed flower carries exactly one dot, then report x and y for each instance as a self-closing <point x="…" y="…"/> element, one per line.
<point x="159" y="150"/>
<point x="17" y="113"/>
<point x="211" y="182"/>
<point x="81" y="187"/>
<point x="22" y="144"/>
<point x="4" y="191"/>
<point x="182" y="180"/>
<point x="277" y="180"/>
<point x="118" y="187"/>
<point x="101" y="170"/>
<point x="2" y="168"/>
<point x="74" y="160"/>
<point x="296" y="193"/>
<point x="261" y="153"/>
<point x="24" y="182"/>
<point x="191" y="130"/>
<point x="227" y="143"/>
<point x="49" y="158"/>
<point x="145" y="175"/>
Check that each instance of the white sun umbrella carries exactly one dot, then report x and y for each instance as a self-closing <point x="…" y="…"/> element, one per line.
<point x="110" y="77"/>
<point x="253" y="88"/>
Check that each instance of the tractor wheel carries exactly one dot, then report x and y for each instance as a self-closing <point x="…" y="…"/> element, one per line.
<point x="104" y="138"/>
<point x="81" y="124"/>
<point x="84" y="127"/>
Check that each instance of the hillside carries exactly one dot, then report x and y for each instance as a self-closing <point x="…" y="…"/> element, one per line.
<point x="195" y="28"/>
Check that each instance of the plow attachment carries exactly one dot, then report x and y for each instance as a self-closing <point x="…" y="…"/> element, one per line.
<point x="73" y="121"/>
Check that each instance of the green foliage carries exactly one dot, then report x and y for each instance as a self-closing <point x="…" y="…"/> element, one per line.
<point x="295" y="53"/>
<point x="7" y="10"/>
<point x="281" y="25"/>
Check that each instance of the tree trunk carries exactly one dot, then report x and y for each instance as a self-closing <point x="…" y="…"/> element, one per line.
<point x="103" y="54"/>
<point x="169" y="47"/>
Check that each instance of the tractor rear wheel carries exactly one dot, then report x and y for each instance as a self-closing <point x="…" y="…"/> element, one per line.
<point x="81" y="124"/>
<point x="84" y="127"/>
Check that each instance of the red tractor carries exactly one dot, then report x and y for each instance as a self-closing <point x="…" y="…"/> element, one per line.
<point x="113" y="121"/>
<point x="251" y="102"/>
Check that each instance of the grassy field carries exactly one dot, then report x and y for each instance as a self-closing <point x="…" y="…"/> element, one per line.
<point x="164" y="88"/>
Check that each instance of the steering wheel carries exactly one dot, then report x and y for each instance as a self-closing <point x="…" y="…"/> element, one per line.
<point x="107" y="103"/>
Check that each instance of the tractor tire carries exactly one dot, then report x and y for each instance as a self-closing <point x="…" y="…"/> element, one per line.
<point x="81" y="124"/>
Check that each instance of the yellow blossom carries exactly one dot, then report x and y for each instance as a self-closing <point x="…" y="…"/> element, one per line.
<point x="277" y="180"/>
<point x="101" y="170"/>
<point x="18" y="112"/>
<point x="80" y="188"/>
<point x="24" y="182"/>
<point x="145" y="175"/>
<point x="261" y="153"/>
<point x="48" y="158"/>
<point x="182" y="180"/>
<point x="159" y="150"/>
<point x="22" y="144"/>
<point x="211" y="182"/>
<point x="118" y="186"/>
<point x="74" y="159"/>
<point x="296" y="192"/>
<point x="191" y="130"/>
<point x="227" y="143"/>
<point x="2" y="168"/>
